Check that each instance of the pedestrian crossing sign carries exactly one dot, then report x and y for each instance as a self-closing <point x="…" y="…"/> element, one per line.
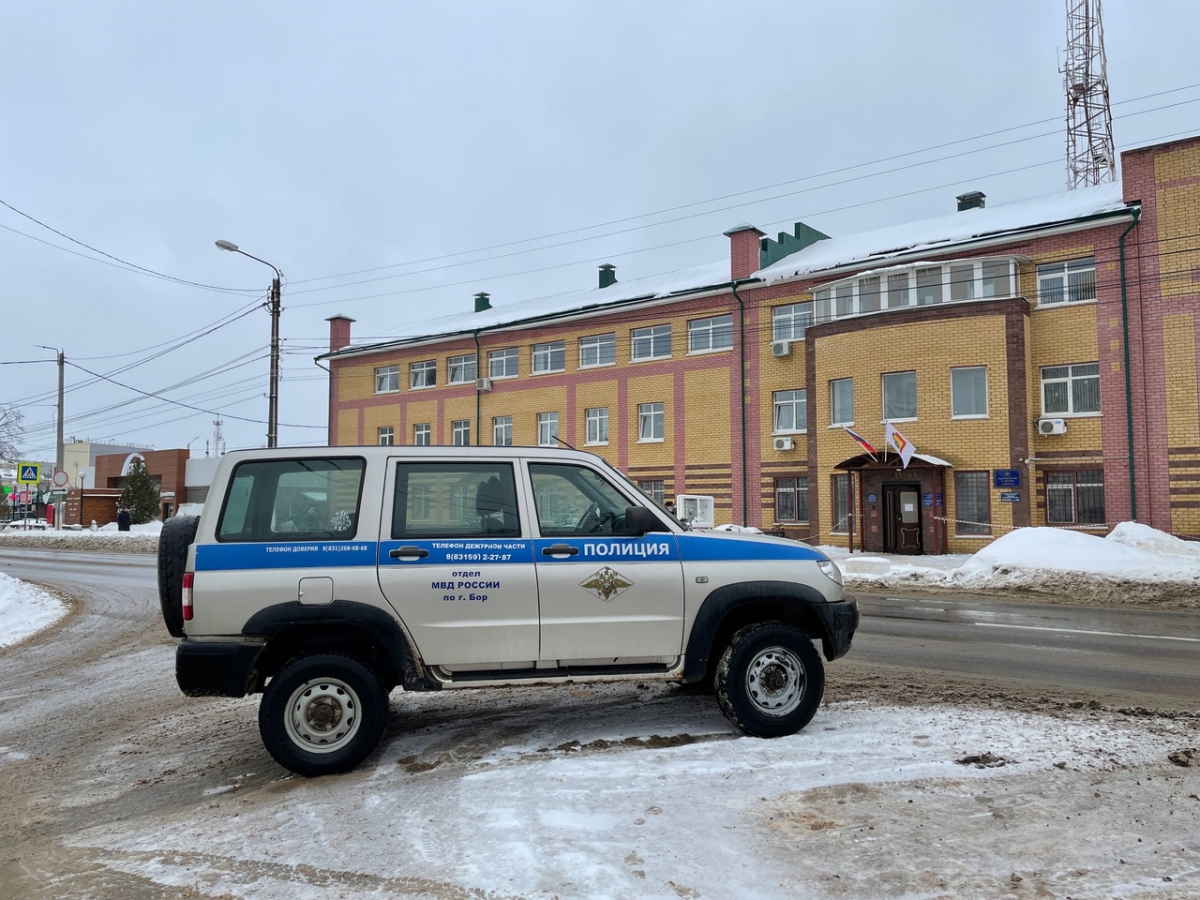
<point x="29" y="473"/>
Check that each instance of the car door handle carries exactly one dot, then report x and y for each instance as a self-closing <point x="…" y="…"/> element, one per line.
<point x="560" y="550"/>
<point x="408" y="553"/>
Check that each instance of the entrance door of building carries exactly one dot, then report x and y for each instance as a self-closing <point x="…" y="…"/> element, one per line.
<point x="902" y="518"/>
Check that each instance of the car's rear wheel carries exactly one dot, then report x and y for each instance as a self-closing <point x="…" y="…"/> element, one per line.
<point x="770" y="680"/>
<point x="322" y="714"/>
<point x="176" y="537"/>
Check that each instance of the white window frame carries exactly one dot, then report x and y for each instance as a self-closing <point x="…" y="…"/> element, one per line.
<point x="543" y="357"/>
<point x="799" y="403"/>
<point x="502" y="431"/>
<point x="785" y="319"/>
<point x="426" y="367"/>
<point x="651" y="413"/>
<point x="1047" y="274"/>
<point x="598" y="435"/>
<point x="703" y="333"/>
<point x="389" y="375"/>
<point x="422" y="430"/>
<point x="834" y="422"/>
<point x="986" y="397"/>
<point x="460" y="433"/>
<point x="597" y="343"/>
<point x="1070" y="383"/>
<point x="386" y="435"/>
<point x="883" y="395"/>
<point x="461" y="369"/>
<point x="547" y="429"/>
<point x="647" y="337"/>
<point x="504" y="356"/>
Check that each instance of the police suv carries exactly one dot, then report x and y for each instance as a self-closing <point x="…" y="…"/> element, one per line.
<point x="326" y="577"/>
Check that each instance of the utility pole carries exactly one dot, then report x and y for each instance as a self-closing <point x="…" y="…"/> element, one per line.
<point x="58" y="454"/>
<point x="276" y="308"/>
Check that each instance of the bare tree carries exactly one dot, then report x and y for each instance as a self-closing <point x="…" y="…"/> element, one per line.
<point x="10" y="432"/>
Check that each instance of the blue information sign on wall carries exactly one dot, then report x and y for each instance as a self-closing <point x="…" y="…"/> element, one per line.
<point x="927" y="499"/>
<point x="1006" y="478"/>
<point x="1010" y="496"/>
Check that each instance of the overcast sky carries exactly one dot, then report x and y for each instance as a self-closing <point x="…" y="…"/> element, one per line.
<point x="336" y="138"/>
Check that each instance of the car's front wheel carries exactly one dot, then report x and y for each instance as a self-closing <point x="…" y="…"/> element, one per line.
<point x="322" y="714"/>
<point x="770" y="680"/>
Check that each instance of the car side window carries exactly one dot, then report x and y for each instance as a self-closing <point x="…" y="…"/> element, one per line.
<point x="314" y="499"/>
<point x="454" y="500"/>
<point x="575" y="500"/>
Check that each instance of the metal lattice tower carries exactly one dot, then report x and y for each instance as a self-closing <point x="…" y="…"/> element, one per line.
<point x="1091" y="156"/>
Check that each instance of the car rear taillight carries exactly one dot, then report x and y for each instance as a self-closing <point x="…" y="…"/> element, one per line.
<point x="189" y="579"/>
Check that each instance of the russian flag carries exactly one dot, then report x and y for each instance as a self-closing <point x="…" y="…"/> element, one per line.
<point x="862" y="440"/>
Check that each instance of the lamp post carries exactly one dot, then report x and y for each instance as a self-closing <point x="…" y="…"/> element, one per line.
<point x="275" y="306"/>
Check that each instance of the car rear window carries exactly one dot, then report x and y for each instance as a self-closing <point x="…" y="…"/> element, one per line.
<point x="310" y="499"/>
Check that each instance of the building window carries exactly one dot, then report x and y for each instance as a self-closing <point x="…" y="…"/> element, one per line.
<point x="997" y="281"/>
<point x="650" y="422"/>
<point x="823" y="304"/>
<point x="502" y="363"/>
<point x="789" y="322"/>
<point x="791" y="411"/>
<point x="869" y="294"/>
<point x="962" y="282"/>
<point x="972" y="500"/>
<point x="502" y="431"/>
<point x="550" y="357"/>
<point x="387" y="379"/>
<point x="652" y="343"/>
<point x="791" y="499"/>
<point x="547" y="429"/>
<point x="421" y="435"/>
<point x="652" y="489"/>
<point x="968" y="392"/>
<point x="597" y="350"/>
<point x="841" y="503"/>
<point x="899" y="290"/>
<point x="1075" y="498"/>
<point x="715" y="333"/>
<point x="460" y="431"/>
<point x="461" y="369"/>
<point x="596" y="425"/>
<point x="423" y="374"/>
<point x="1071" y="390"/>
<point x="929" y="286"/>
<point x="387" y="436"/>
<point x="843" y="296"/>
<point x="841" y="401"/>
<point x="899" y="396"/>
<point x="1067" y="282"/>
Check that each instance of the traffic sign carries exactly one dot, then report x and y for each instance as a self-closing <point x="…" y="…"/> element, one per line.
<point x="29" y="473"/>
<point x="61" y="479"/>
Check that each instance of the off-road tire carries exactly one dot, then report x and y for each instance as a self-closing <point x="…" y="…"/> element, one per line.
<point x="309" y="686"/>
<point x="177" y="535"/>
<point x="769" y="665"/>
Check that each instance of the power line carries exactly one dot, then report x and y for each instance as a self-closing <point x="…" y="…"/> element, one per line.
<point x="741" y="194"/>
<point x="123" y="262"/>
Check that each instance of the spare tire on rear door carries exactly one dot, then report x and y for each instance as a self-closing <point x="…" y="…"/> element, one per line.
<point x="177" y="535"/>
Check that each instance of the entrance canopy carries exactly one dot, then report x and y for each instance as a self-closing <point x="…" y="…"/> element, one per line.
<point x="865" y="461"/>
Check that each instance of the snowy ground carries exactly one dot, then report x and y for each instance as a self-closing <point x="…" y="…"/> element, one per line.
<point x="25" y="610"/>
<point x="653" y="796"/>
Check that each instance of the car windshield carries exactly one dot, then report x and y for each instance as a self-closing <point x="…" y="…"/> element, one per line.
<point x="682" y="524"/>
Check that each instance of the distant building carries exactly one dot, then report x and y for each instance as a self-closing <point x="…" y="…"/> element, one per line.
<point x="1040" y="356"/>
<point x="79" y="458"/>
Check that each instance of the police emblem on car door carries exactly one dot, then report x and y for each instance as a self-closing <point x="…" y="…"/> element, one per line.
<point x="606" y="584"/>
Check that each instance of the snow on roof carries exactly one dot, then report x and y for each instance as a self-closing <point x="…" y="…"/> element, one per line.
<point x="944" y="231"/>
<point x="650" y="287"/>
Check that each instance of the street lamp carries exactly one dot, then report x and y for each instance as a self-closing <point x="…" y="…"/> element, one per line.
<point x="275" y="306"/>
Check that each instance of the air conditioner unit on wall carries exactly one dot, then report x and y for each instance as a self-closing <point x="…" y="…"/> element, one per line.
<point x="784" y="443"/>
<point x="483" y="384"/>
<point x="781" y="348"/>
<point x="1052" y="426"/>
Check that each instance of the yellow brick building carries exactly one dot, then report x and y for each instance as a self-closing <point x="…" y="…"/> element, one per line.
<point x="1040" y="358"/>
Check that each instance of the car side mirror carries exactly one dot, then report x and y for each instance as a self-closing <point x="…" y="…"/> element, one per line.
<point x="639" y="520"/>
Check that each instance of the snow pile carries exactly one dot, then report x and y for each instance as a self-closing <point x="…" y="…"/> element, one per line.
<point x="148" y="528"/>
<point x="143" y="539"/>
<point x="25" y="609"/>
<point x="739" y="529"/>
<point x="1135" y="564"/>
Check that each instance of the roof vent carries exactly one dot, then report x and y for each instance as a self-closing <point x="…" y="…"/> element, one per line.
<point x="971" y="200"/>
<point x="608" y="275"/>
<point x="770" y="252"/>
<point x="482" y="301"/>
